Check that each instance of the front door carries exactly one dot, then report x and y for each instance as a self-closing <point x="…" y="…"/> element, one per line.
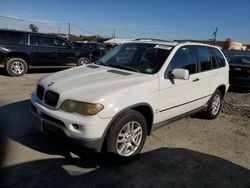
<point x="179" y="96"/>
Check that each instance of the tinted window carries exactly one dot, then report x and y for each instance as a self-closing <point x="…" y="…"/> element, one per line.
<point x="32" y="40"/>
<point x="43" y="41"/>
<point x="185" y="58"/>
<point x="204" y="58"/>
<point x="220" y="59"/>
<point x="58" y="42"/>
<point x="240" y="60"/>
<point x="7" y="37"/>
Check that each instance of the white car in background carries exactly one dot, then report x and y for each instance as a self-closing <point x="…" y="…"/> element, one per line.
<point x="115" y="103"/>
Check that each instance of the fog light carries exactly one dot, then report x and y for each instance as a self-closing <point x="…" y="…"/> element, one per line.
<point x="76" y="126"/>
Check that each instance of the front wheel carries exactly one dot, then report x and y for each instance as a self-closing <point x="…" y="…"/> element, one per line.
<point x="127" y="134"/>
<point x="214" y="105"/>
<point x="83" y="61"/>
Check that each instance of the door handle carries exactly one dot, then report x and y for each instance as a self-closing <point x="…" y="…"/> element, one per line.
<point x="196" y="80"/>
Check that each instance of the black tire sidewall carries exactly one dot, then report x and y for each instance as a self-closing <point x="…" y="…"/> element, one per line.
<point x="12" y="60"/>
<point x="118" y="124"/>
<point x="82" y="58"/>
<point x="210" y="114"/>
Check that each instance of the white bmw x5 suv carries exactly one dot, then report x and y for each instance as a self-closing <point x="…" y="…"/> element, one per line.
<point x="114" y="103"/>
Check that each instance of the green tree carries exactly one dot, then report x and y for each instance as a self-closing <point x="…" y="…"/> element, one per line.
<point x="34" y="28"/>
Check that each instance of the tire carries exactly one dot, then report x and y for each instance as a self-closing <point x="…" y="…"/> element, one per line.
<point x="16" y="67"/>
<point x="127" y="134"/>
<point x="83" y="61"/>
<point x="214" y="105"/>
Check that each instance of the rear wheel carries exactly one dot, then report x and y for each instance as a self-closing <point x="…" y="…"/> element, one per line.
<point x="16" y="67"/>
<point x="83" y="61"/>
<point x="214" y="105"/>
<point x="127" y="134"/>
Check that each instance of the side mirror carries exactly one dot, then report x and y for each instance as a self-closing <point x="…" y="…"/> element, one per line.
<point x="181" y="74"/>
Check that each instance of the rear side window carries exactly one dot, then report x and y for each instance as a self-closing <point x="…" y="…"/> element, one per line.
<point x="219" y="58"/>
<point x="204" y="58"/>
<point x="185" y="58"/>
<point x="47" y="41"/>
<point x="7" y="37"/>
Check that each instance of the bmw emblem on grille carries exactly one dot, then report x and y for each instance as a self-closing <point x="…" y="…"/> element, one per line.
<point x="50" y="84"/>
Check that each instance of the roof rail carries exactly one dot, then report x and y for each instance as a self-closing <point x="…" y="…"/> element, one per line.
<point x="151" y="39"/>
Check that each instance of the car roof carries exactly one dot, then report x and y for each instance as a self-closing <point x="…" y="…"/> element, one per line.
<point x="167" y="43"/>
<point x="29" y="32"/>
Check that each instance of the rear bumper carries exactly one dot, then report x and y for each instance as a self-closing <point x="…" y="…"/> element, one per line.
<point x="43" y="125"/>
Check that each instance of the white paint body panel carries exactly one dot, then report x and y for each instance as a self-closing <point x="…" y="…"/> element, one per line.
<point x="118" y="91"/>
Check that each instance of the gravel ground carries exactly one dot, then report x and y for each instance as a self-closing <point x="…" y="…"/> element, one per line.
<point x="237" y="103"/>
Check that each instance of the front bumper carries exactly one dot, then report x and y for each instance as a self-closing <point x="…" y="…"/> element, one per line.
<point x="90" y="134"/>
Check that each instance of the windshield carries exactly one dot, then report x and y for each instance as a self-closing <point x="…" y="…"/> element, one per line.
<point x="144" y="58"/>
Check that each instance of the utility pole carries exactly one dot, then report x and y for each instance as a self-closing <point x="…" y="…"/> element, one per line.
<point x="114" y="35"/>
<point x="69" y="28"/>
<point x="215" y="35"/>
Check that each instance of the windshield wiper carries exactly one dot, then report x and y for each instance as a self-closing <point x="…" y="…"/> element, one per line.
<point x="100" y="63"/>
<point x="125" y="68"/>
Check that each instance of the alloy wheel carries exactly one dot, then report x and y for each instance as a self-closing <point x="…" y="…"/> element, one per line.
<point x="129" y="138"/>
<point x="17" y="67"/>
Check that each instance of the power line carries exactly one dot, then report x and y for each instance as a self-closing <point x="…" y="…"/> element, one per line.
<point x="76" y="26"/>
<point x="31" y="21"/>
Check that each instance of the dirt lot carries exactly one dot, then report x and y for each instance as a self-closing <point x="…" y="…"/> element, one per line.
<point x="191" y="152"/>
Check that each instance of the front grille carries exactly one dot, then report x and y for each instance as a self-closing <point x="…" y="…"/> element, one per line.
<point x="39" y="92"/>
<point x="51" y="98"/>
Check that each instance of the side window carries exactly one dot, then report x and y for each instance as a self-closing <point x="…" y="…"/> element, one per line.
<point x="24" y="39"/>
<point x="185" y="58"/>
<point x="204" y="58"/>
<point x="43" y="41"/>
<point x="213" y="58"/>
<point x="220" y="59"/>
<point x="58" y="42"/>
<point x="33" y="40"/>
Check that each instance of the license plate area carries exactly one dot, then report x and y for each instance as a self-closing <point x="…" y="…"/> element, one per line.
<point x="38" y="122"/>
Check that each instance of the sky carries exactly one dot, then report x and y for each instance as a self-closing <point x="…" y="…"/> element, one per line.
<point x="164" y="19"/>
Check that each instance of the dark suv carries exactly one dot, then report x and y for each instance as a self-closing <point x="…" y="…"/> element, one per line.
<point x="20" y="51"/>
<point x="99" y="48"/>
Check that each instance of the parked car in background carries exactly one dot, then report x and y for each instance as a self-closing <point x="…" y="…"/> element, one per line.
<point x="138" y="86"/>
<point x="20" y="51"/>
<point x="239" y="75"/>
<point x="96" y="54"/>
<point x="99" y="48"/>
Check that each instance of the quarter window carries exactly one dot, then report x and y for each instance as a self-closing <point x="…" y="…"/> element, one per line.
<point x="220" y="59"/>
<point x="8" y="37"/>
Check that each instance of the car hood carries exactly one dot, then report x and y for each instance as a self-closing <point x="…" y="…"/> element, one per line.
<point x="92" y="82"/>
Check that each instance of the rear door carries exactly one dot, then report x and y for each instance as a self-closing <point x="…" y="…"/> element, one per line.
<point x="212" y="72"/>
<point x="43" y="53"/>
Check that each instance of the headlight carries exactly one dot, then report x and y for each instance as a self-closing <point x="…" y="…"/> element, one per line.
<point x="82" y="108"/>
